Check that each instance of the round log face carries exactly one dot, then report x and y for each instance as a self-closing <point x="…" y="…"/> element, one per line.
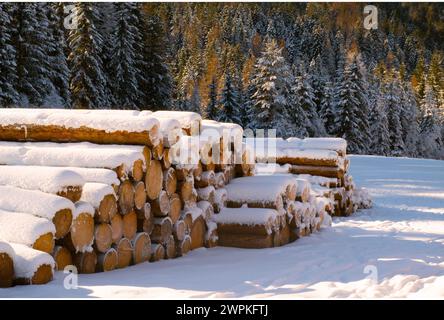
<point x="86" y="262"/>
<point x="117" y="228"/>
<point x="137" y="172"/>
<point x="124" y="253"/>
<point x="142" y="248"/>
<point x="73" y="193"/>
<point x="62" y="257"/>
<point x="139" y="195"/>
<point x="198" y="233"/>
<point x="62" y="221"/>
<point x="107" y="261"/>
<point x="175" y="207"/>
<point x="6" y="270"/>
<point x="82" y="232"/>
<point x="126" y="197"/>
<point x="154" y="179"/>
<point x="129" y="225"/>
<point x="45" y="243"/>
<point x="43" y="275"/>
<point x="103" y="237"/>
<point x="107" y="209"/>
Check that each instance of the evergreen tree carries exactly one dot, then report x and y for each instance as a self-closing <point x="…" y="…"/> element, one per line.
<point x="379" y="129"/>
<point x="8" y="75"/>
<point x="430" y="142"/>
<point x="211" y="111"/>
<point x="327" y="111"/>
<point x="271" y="81"/>
<point x="88" y="81"/>
<point x="126" y="56"/>
<point x="409" y="120"/>
<point x="229" y="102"/>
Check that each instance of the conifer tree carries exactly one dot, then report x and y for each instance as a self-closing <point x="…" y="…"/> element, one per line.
<point x="211" y="111"/>
<point x="229" y="102"/>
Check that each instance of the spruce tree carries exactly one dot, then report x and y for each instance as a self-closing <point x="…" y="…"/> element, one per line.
<point x="211" y="111"/>
<point x="229" y="102"/>
<point x="379" y="129"/>
<point x="327" y="111"/>
<point x="430" y="143"/>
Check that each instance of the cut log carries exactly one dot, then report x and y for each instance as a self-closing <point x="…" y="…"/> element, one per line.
<point x="102" y="197"/>
<point x="207" y="178"/>
<point x="182" y="174"/>
<point x="157" y="252"/>
<point x="261" y="196"/>
<point x="126" y="197"/>
<point x="220" y="199"/>
<point x="160" y="207"/>
<point x="28" y="230"/>
<point x="139" y="194"/>
<point x="329" y="172"/>
<point x="6" y="265"/>
<point x="57" y="209"/>
<point x="220" y="180"/>
<point x="145" y="212"/>
<point x="153" y="179"/>
<point x="197" y="171"/>
<point x="103" y="237"/>
<point x="124" y="250"/>
<point x="206" y="194"/>
<point x="170" y="181"/>
<point x="187" y="217"/>
<point x="62" y="258"/>
<point x="183" y="247"/>
<point x="117" y="228"/>
<point x="141" y="247"/>
<point x="284" y="235"/>
<point x="303" y="190"/>
<point x="179" y="230"/>
<point x="277" y="238"/>
<point x="82" y="228"/>
<point x="207" y="209"/>
<point x="162" y="230"/>
<point x="129" y="225"/>
<point x="31" y="266"/>
<point x="85" y="262"/>
<point x="107" y="261"/>
<point x="186" y="188"/>
<point x="166" y="160"/>
<point x="138" y="170"/>
<point x="70" y="127"/>
<point x="198" y="232"/>
<point x="247" y="241"/>
<point x="175" y="207"/>
<point x="170" y="248"/>
<point x="211" y="237"/>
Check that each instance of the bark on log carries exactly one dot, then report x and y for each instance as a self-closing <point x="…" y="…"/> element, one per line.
<point x="247" y="241"/>
<point x="141" y="247"/>
<point x="157" y="252"/>
<point x="124" y="250"/>
<point x="162" y="230"/>
<point x="62" y="257"/>
<point x="175" y="207"/>
<point x="153" y="179"/>
<point x="328" y="172"/>
<point x="170" y="181"/>
<point x="129" y="225"/>
<point x="85" y="262"/>
<point x="160" y="207"/>
<point x="139" y="194"/>
<point x="103" y="237"/>
<point x="126" y="197"/>
<point x="107" y="261"/>
<point x="242" y="229"/>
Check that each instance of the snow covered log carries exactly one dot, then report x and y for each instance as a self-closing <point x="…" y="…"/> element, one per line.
<point x="328" y="172"/>
<point x="175" y="207"/>
<point x="335" y="144"/>
<point x="219" y="180"/>
<point x="170" y="248"/>
<point x="82" y="228"/>
<point x="211" y="237"/>
<point x="190" y="122"/>
<point x="206" y="194"/>
<point x="6" y="265"/>
<point x="255" y="196"/>
<point x="107" y="261"/>
<point x="153" y="179"/>
<point x="141" y="244"/>
<point x="256" y="221"/>
<point x="28" y="230"/>
<point x="186" y="190"/>
<point x="103" y="237"/>
<point x="103" y="199"/>
<point x="207" y="209"/>
<point x="183" y="246"/>
<point x="170" y="130"/>
<point x="124" y="160"/>
<point x="157" y="252"/>
<point x="160" y="207"/>
<point x="207" y="178"/>
<point x="179" y="230"/>
<point x="22" y="125"/>
<point x="59" y="181"/>
<point x="62" y="257"/>
<point x="31" y="266"/>
<point x="85" y="261"/>
<point x="220" y="199"/>
<point x="162" y="230"/>
<point x="198" y="232"/>
<point x="170" y="181"/>
<point x="322" y="158"/>
<point x="124" y="250"/>
<point x="129" y="225"/>
<point x="54" y="208"/>
<point x="246" y="240"/>
<point x="187" y="217"/>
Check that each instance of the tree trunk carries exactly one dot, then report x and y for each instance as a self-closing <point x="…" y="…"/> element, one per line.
<point x="248" y="241"/>
<point x="142" y="247"/>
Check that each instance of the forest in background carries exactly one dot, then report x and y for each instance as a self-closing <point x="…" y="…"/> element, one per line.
<point x="303" y="69"/>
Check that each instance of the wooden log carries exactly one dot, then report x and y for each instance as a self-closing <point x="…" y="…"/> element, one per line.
<point x="166" y="160"/>
<point x="197" y="171"/>
<point x="160" y="207"/>
<point x="126" y="197"/>
<point x="170" y="248"/>
<point x="154" y="179"/>
<point x="211" y="237"/>
<point x="62" y="257"/>
<point x="206" y="194"/>
<point x="129" y="225"/>
<point x="303" y="159"/>
<point x="103" y="199"/>
<point x="107" y="261"/>
<point x="141" y="247"/>
<point x="197" y="234"/>
<point x="175" y="207"/>
<point x="124" y="250"/>
<point x="103" y="237"/>
<point x="187" y="217"/>
<point x="139" y="194"/>
<point x="170" y="181"/>
<point x="162" y="230"/>
<point x="207" y="209"/>
<point x="220" y="199"/>
<point x="186" y="188"/>
<point x="277" y="238"/>
<point x="182" y="174"/>
<point x="179" y="230"/>
<point x="85" y="262"/>
<point x="284" y="235"/>
<point x="145" y="212"/>
<point x="31" y="266"/>
<point x="183" y="247"/>
<point x="207" y="178"/>
<point x="235" y="228"/>
<point x="303" y="190"/>
<point x="220" y="180"/>
<point x="117" y="228"/>
<point x="329" y="172"/>
<point x="157" y="252"/>
<point x="89" y="128"/>
<point x="6" y="265"/>
<point x="247" y="241"/>
<point x="82" y="228"/>
<point x="157" y="151"/>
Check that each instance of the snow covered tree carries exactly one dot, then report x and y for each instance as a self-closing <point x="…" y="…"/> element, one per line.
<point x="211" y="111"/>
<point x="327" y="111"/>
<point x="379" y="129"/>
<point x="270" y="101"/>
<point x="8" y="75"/>
<point x="409" y="120"/>
<point x="430" y="142"/>
<point x="351" y="104"/>
<point x="88" y="80"/>
<point x="229" y="102"/>
<point x="125" y="56"/>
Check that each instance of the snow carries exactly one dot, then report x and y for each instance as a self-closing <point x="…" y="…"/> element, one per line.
<point x="246" y="216"/>
<point x="34" y="202"/>
<point x="402" y="236"/>
<point x="46" y="179"/>
<point x="83" y="207"/>
<point x="335" y="144"/>
<point x="271" y="168"/>
<point x="58" y="154"/>
<point x="187" y="119"/>
<point x="101" y="112"/>
<point x="22" y="227"/>
<point x="97" y="175"/>
<point x="6" y="248"/>
<point x="170" y="130"/>
<point x="27" y="260"/>
<point x="93" y="193"/>
<point x="99" y="121"/>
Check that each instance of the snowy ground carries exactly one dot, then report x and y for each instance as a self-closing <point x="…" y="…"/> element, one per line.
<point x="394" y="250"/>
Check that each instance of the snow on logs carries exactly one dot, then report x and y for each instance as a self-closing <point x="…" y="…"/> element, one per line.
<point x="7" y="256"/>
<point x="106" y="128"/>
<point x="54" y="208"/>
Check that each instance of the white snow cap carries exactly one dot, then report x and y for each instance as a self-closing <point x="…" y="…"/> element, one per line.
<point x="245" y="216"/>
<point x="5" y="247"/>
<point x="335" y="144"/>
<point x="23" y="228"/>
<point x="83" y="207"/>
<point x="28" y="260"/>
<point x="186" y="118"/>
<point x="97" y="175"/>
<point x="46" y="179"/>
<point x="94" y="193"/>
<point x="37" y="203"/>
